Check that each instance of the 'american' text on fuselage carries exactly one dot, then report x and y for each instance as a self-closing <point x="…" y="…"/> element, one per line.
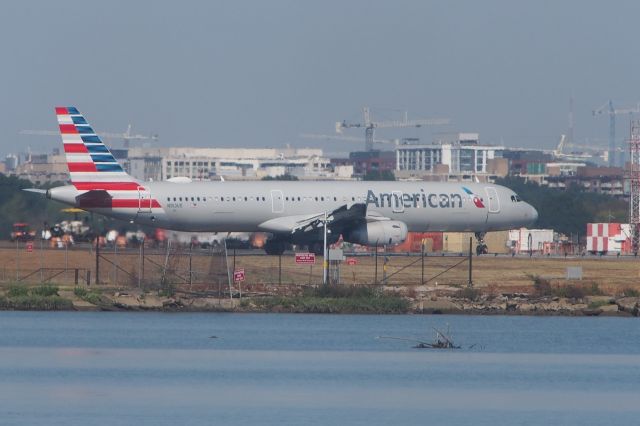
<point x="397" y="199"/>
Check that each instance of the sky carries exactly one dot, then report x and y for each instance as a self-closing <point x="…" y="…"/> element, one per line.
<point x="261" y="73"/>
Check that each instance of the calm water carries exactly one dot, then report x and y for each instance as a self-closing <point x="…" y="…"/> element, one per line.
<point x="156" y="369"/>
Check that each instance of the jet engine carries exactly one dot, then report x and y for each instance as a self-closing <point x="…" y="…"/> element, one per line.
<point x="378" y="233"/>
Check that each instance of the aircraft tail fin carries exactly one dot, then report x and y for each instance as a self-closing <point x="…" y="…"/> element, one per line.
<point x="91" y="164"/>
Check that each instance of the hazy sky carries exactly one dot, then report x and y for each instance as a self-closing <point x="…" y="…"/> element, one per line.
<point x="259" y="73"/>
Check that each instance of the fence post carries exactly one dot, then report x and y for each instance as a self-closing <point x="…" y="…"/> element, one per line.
<point x="280" y="269"/>
<point x="140" y="263"/>
<point x="470" y="261"/>
<point x="97" y="259"/>
<point x="422" y="275"/>
<point x="41" y="260"/>
<point x="375" y="274"/>
<point x="190" y="265"/>
<point x="17" y="260"/>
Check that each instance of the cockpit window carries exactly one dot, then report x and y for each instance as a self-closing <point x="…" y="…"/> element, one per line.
<point x="515" y="198"/>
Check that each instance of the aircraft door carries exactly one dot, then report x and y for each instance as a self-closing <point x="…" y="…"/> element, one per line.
<point x="144" y="200"/>
<point x="492" y="199"/>
<point x="397" y="202"/>
<point x="277" y="201"/>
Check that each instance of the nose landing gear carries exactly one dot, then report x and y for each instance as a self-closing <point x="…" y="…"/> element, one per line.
<point x="481" y="248"/>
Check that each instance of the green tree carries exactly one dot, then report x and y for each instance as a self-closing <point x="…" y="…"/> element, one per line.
<point x="567" y="211"/>
<point x="20" y="206"/>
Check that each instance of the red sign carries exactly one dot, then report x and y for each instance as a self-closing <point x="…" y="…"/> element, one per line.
<point x="29" y="246"/>
<point x="238" y="275"/>
<point x="352" y="261"/>
<point x="305" y="258"/>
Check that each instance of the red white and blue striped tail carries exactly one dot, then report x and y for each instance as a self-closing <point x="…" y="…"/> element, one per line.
<point x="91" y="164"/>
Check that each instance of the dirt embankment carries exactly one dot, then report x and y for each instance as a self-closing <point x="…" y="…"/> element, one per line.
<point x="462" y="301"/>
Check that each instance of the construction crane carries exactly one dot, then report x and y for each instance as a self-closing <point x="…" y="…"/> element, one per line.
<point x="370" y="126"/>
<point x="344" y="138"/>
<point x="608" y="108"/>
<point x="127" y="136"/>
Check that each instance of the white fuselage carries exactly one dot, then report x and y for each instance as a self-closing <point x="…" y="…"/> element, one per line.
<point x="245" y="206"/>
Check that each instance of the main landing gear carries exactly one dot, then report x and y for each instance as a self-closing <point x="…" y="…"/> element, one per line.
<point x="481" y="248"/>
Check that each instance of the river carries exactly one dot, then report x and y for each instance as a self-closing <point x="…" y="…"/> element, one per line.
<point x="94" y="368"/>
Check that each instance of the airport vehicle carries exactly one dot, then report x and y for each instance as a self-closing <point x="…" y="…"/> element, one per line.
<point x="367" y="213"/>
<point x="22" y="232"/>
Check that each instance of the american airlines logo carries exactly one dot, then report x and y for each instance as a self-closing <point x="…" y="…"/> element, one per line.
<point x="476" y="200"/>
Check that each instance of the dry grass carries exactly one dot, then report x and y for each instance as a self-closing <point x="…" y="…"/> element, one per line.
<point x="489" y="273"/>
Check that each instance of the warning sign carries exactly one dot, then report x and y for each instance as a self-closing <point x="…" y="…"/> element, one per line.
<point x="305" y="258"/>
<point x="29" y="246"/>
<point x="238" y="275"/>
<point x="352" y="261"/>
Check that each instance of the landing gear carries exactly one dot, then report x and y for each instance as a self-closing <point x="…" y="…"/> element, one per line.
<point x="481" y="248"/>
<point x="274" y="247"/>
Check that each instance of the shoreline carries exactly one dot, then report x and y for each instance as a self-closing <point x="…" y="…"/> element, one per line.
<point x="137" y="301"/>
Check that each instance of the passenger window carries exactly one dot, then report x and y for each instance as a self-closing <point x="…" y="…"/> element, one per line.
<point x="180" y="198"/>
<point x="168" y="198"/>
<point x="234" y="198"/>
<point x="174" y="199"/>
<point x="245" y="198"/>
<point x="335" y="198"/>
<point x="192" y="199"/>
<point x="198" y="198"/>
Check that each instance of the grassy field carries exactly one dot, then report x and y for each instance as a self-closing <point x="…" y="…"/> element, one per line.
<point x="209" y="271"/>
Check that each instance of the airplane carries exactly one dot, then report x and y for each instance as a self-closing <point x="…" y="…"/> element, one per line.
<point x="370" y="213"/>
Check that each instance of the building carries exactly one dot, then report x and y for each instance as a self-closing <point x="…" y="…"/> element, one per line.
<point x="452" y="157"/>
<point x="231" y="163"/>
<point x="42" y="169"/>
<point x="365" y="162"/>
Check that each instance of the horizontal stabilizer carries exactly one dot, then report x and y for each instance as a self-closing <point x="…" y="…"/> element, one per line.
<point x="36" y="190"/>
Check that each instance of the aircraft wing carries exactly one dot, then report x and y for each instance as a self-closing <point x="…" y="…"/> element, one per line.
<point x="343" y="216"/>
